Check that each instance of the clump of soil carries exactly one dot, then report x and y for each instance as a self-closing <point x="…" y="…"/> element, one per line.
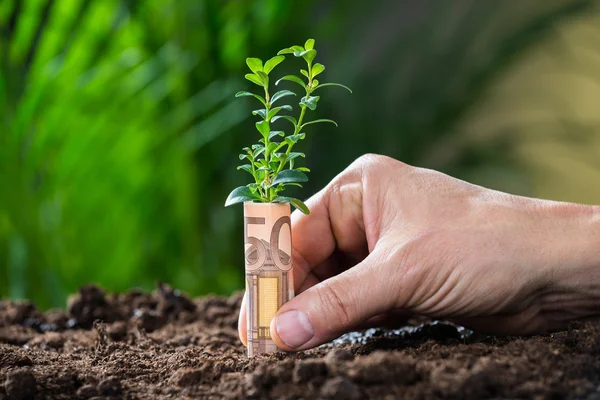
<point x="140" y="345"/>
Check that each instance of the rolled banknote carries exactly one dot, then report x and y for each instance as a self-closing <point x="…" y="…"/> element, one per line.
<point x="269" y="280"/>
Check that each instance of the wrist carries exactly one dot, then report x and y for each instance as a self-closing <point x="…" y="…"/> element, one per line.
<point x="572" y="278"/>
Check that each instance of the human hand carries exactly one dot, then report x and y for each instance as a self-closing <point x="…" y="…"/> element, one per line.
<point x="385" y="238"/>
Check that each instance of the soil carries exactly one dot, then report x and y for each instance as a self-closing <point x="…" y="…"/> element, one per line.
<point x="164" y="345"/>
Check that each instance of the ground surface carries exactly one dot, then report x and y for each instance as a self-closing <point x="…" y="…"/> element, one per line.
<point x="163" y="345"/>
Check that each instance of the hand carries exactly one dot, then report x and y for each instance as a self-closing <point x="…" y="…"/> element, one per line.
<point x="384" y="238"/>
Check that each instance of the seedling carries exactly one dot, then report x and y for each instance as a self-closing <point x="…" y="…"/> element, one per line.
<point x="271" y="161"/>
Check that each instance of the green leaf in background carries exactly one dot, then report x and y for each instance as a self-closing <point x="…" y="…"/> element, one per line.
<point x="260" y="98"/>
<point x="254" y="79"/>
<point x="239" y="195"/>
<point x="310" y="102"/>
<point x="289" y="175"/>
<point x="272" y="63"/>
<point x="292" y="78"/>
<point x="255" y="64"/>
<point x="280" y="94"/>
<point x="334" y="84"/>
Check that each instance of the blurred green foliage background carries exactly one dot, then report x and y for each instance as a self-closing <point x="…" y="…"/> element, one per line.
<point x="119" y="132"/>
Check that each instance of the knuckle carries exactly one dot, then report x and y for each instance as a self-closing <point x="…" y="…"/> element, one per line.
<point x="336" y="303"/>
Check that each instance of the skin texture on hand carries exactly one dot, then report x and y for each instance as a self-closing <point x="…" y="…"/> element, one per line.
<point x="386" y="240"/>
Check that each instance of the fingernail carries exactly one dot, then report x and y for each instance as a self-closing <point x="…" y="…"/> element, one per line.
<point x="294" y="328"/>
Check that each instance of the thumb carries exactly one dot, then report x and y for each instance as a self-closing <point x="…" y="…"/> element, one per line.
<point x="333" y="307"/>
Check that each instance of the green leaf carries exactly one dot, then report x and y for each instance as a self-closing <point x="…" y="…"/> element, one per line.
<point x="318" y="121"/>
<point x="275" y="110"/>
<point x="291" y="184"/>
<point x="310" y="102"/>
<point x="287" y="117"/>
<point x="289" y="175"/>
<point x="239" y="195"/>
<point x="280" y="94"/>
<point x="303" y="169"/>
<point x="258" y="151"/>
<point x="253" y="187"/>
<point x="260" y="98"/>
<point x="255" y="64"/>
<point x="264" y="128"/>
<point x="299" y="204"/>
<point x="264" y="77"/>
<point x="304" y="72"/>
<point x="292" y="78"/>
<point x="254" y="79"/>
<point x="275" y="133"/>
<point x="293" y="139"/>
<point x="272" y="147"/>
<point x="272" y="63"/>
<point x="290" y="50"/>
<point x="310" y="44"/>
<point x="317" y="69"/>
<point x="308" y="55"/>
<point x="262" y="113"/>
<point x="334" y="84"/>
<point x="294" y="154"/>
<point x="246" y="167"/>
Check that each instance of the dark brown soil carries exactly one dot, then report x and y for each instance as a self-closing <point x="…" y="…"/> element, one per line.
<point x="164" y="345"/>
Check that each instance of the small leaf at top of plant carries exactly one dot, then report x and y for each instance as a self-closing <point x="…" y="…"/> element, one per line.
<point x="280" y="94"/>
<point x="292" y="78"/>
<point x="264" y="77"/>
<point x="303" y="169"/>
<point x="254" y="79"/>
<point x="317" y="69"/>
<point x="275" y="133"/>
<point x="264" y="128"/>
<point x="310" y="44"/>
<point x="308" y="55"/>
<point x="310" y="102"/>
<point x="255" y="64"/>
<point x="318" y="121"/>
<point x="289" y="175"/>
<point x="304" y="72"/>
<point x="260" y="112"/>
<point x="239" y="195"/>
<point x="272" y="63"/>
<point x="334" y="84"/>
